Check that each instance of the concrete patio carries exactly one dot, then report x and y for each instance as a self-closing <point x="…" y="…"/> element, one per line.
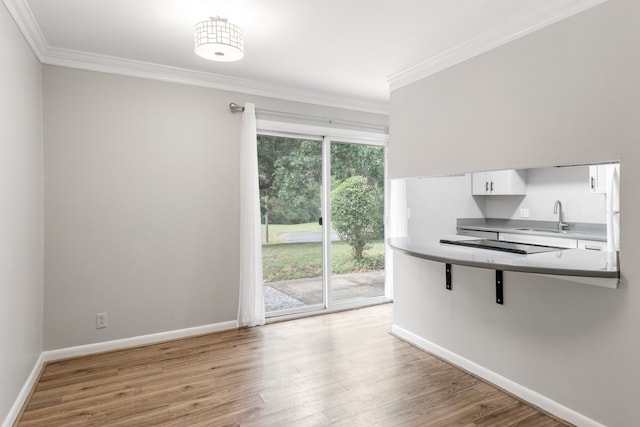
<point x="287" y="294"/>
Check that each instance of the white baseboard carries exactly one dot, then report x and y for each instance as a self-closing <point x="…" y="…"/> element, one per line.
<point x="24" y="393"/>
<point x="99" y="347"/>
<point x="506" y="384"/>
<point x="82" y="350"/>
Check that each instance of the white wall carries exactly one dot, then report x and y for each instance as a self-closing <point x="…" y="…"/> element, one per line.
<point x="142" y="204"/>
<point x="568" y="94"/>
<point x="546" y="185"/>
<point x="21" y="215"/>
<point x="436" y="203"/>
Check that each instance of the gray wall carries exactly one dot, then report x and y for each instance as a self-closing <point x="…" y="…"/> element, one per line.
<point x="567" y="94"/>
<point x="142" y="204"/>
<point x="21" y="211"/>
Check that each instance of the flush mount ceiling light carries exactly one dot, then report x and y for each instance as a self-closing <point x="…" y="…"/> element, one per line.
<point x="219" y="40"/>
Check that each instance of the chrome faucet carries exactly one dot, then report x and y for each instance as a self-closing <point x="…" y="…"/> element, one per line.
<point x="557" y="209"/>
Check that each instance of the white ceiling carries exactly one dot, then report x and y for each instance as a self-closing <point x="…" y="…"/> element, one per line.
<point x="338" y="51"/>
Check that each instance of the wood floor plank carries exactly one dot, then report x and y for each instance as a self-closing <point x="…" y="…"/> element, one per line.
<point x="342" y="369"/>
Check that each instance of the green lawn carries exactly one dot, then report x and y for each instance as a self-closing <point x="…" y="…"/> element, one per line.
<point x="287" y="261"/>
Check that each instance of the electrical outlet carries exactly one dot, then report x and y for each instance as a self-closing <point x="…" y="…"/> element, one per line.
<point x="524" y="213"/>
<point x="101" y="320"/>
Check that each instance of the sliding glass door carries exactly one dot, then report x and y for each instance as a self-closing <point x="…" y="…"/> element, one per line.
<point x="357" y="218"/>
<point x="322" y="206"/>
<point x="290" y="174"/>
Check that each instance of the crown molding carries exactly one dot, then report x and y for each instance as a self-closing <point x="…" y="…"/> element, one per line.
<point x="24" y="19"/>
<point x="519" y="25"/>
<point x="46" y="54"/>
<point x="132" y="68"/>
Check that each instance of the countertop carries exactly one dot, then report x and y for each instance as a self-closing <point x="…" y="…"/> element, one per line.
<point x="566" y="262"/>
<point x="579" y="231"/>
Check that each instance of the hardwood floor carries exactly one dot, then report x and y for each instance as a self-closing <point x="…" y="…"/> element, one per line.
<point x="341" y="369"/>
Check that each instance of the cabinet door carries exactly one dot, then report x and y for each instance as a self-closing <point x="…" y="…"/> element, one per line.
<point x="479" y="184"/>
<point x="508" y="182"/>
<point x="499" y="182"/>
<point x="599" y="177"/>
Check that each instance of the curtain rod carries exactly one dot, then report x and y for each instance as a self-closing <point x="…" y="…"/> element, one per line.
<point x="240" y="108"/>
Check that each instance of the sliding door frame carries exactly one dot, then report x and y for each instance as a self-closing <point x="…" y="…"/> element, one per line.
<point x="329" y="135"/>
<point x="326" y="220"/>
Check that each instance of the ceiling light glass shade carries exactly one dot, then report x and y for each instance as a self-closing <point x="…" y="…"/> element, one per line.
<point x="219" y="40"/>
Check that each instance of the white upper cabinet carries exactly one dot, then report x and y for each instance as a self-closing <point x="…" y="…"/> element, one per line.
<point x="599" y="177"/>
<point x="496" y="183"/>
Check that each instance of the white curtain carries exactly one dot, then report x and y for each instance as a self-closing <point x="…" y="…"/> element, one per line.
<point x="251" y="304"/>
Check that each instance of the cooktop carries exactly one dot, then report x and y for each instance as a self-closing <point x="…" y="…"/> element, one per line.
<point x="503" y="246"/>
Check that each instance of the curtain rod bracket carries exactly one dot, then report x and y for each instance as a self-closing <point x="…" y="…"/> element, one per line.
<point x="235" y="107"/>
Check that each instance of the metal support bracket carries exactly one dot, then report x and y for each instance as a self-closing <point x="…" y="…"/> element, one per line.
<point x="447" y="270"/>
<point x="499" y="283"/>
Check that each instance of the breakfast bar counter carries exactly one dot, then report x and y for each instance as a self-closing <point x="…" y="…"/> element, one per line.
<point x="588" y="266"/>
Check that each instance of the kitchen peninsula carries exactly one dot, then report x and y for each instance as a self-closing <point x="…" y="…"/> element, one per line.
<point x="579" y="264"/>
